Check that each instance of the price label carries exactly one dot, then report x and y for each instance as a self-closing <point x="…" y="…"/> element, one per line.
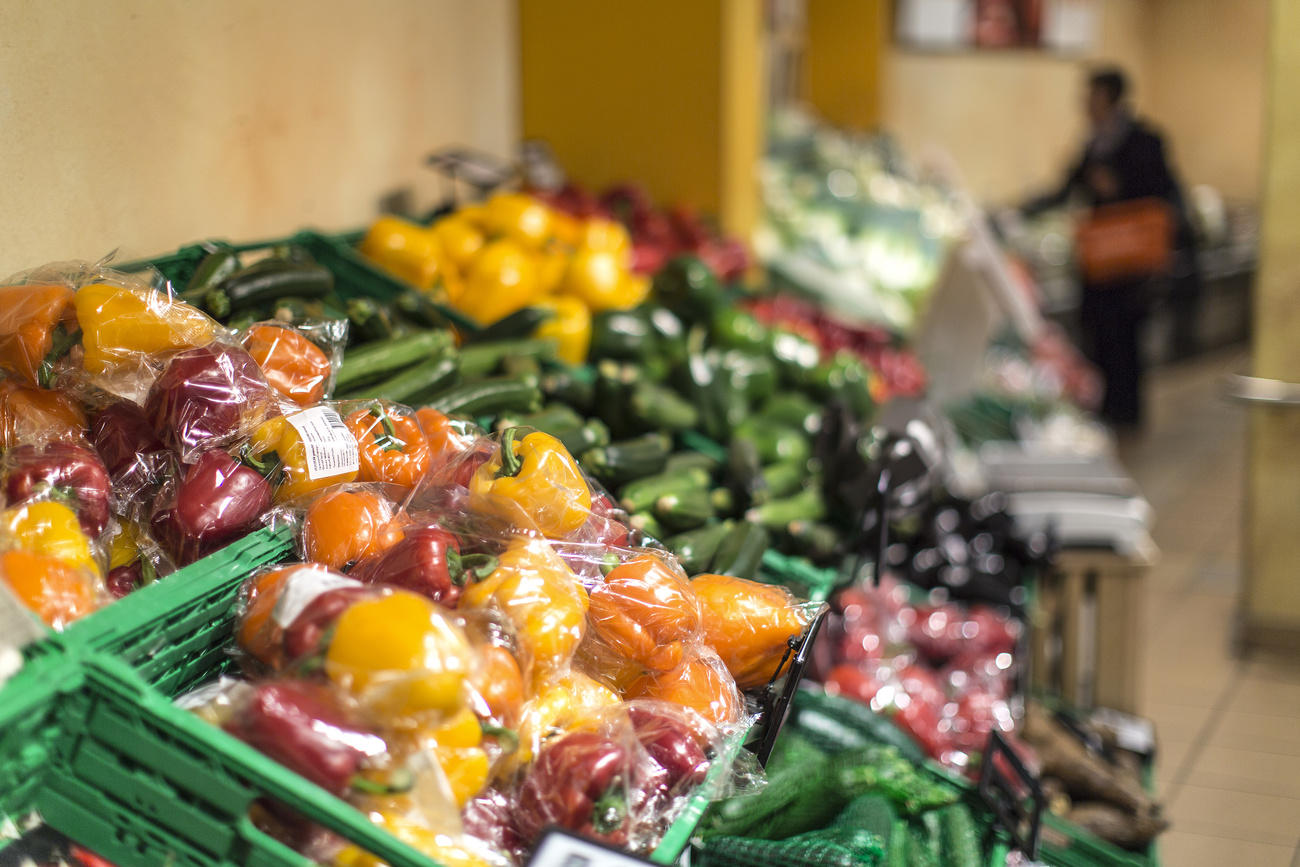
<point x="562" y="849"/>
<point x="331" y="447"/>
<point x="300" y="588"/>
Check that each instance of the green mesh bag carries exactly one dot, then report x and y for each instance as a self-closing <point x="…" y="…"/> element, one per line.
<point x="832" y="847"/>
<point x="870" y="812"/>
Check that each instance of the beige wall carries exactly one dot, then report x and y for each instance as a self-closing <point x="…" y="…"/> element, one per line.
<point x="146" y="124"/>
<point x="1012" y="121"/>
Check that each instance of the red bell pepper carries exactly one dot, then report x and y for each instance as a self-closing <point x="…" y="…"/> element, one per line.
<point x="61" y="471"/>
<point x="206" y="397"/>
<point x="580" y="782"/>
<point x="427" y="561"/>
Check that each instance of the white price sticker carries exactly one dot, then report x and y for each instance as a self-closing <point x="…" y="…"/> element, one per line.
<point x="300" y="588"/>
<point x="561" y="849"/>
<point x="331" y="447"/>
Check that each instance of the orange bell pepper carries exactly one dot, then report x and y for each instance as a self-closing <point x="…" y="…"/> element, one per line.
<point x="447" y="437"/>
<point x="499" y="683"/>
<point x="58" y="591"/>
<point x="749" y="624"/>
<point x="646" y="611"/>
<point x="342" y="527"/>
<point x="292" y="364"/>
<point x="701" y="682"/>
<point x="393" y="447"/>
<point x="26" y="412"/>
<point x="32" y="318"/>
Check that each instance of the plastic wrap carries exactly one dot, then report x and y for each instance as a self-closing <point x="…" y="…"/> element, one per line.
<point x="304" y="452"/>
<point x="349" y="523"/>
<point x="134" y="558"/>
<point x="33" y="317"/>
<point x="750" y="624"/>
<point x="392" y="444"/>
<point x="69" y="472"/>
<point x="31" y="414"/>
<point x="298" y="361"/>
<point x="49" y="562"/>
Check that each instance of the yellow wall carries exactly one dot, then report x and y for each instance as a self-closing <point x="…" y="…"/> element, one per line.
<point x="1012" y="121"/>
<point x="666" y="94"/>
<point x="842" y="70"/>
<point x="146" y="124"/>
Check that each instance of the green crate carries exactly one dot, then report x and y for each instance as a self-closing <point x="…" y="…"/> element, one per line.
<point x="30" y="729"/>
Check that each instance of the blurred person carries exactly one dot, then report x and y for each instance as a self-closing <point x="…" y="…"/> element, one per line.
<point x="1124" y="160"/>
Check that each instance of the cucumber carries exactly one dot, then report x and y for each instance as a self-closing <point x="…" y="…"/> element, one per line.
<point x="741" y="551"/>
<point x="658" y="407"/>
<point x="630" y="459"/>
<point x="414" y="383"/>
<point x="569" y="386"/>
<point x="639" y="495"/>
<point x="689" y="460"/>
<point x="776" y="443"/>
<point x="695" y="548"/>
<point x="488" y="397"/>
<point x="816" y="541"/>
<point x="745" y="471"/>
<point x="480" y="359"/>
<point x="785" y="478"/>
<point x="646" y="524"/>
<point x="265" y="281"/>
<point x="372" y="361"/>
<point x="521" y="323"/>
<point x="807" y="505"/>
<point x="791" y="409"/>
<point x="685" y="510"/>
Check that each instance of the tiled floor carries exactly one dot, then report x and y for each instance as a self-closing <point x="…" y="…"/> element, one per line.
<point x="1229" y="728"/>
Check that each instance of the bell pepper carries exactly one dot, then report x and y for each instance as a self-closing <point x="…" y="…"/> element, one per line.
<point x="701" y="682"/>
<point x="27" y="412"/>
<point x="672" y="742"/>
<point x="562" y="704"/>
<point x="393" y="447"/>
<point x="427" y="560"/>
<point x="458" y="238"/>
<point x="404" y="249"/>
<point x="498" y="684"/>
<point x="441" y="848"/>
<point x="603" y="281"/>
<point x="532" y="482"/>
<point x="538" y="593"/>
<point x="306" y="635"/>
<point x="569" y="327"/>
<point x="342" y="527"/>
<point x="522" y="218"/>
<point x="490" y="817"/>
<point x="119" y="324"/>
<point x="291" y="363"/>
<point x="400" y="655"/>
<point x="120" y="433"/>
<point x="278" y="452"/>
<point x="646" y="611"/>
<point x="447" y="437"/>
<point x="262" y="617"/>
<point x="501" y="279"/>
<point x="57" y="591"/>
<point x="601" y="233"/>
<point x="33" y="319"/>
<point x="457" y="746"/>
<point x="128" y="568"/>
<point x="218" y="499"/>
<point x="61" y="471"/>
<point x="582" y="782"/>
<point x="208" y="397"/>
<point x="749" y="624"/>
<point x="52" y="529"/>
<point x="299" y="725"/>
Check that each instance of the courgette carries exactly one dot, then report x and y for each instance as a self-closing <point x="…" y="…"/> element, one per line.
<point x="685" y="510"/>
<point x="807" y="505"/>
<point x="522" y="323"/>
<point x="745" y="472"/>
<point x="265" y="281"/>
<point x="413" y="384"/>
<point x="785" y="478"/>
<point x="740" y="552"/>
<point x="488" y="397"/>
<point x="689" y="460"/>
<point x="640" y="494"/>
<point x="625" y="460"/>
<point x="372" y="361"/>
<point x="480" y="359"/>
<point x="657" y="407"/>
<point x="695" y="548"/>
<point x="420" y="309"/>
<point x="368" y="320"/>
<point x="775" y="443"/>
<point x="613" y="396"/>
<point x="211" y="270"/>
<point x="791" y="409"/>
<point x="733" y="328"/>
<point x="625" y="335"/>
<point x="959" y="841"/>
<point x="817" y="541"/>
<point x="576" y="433"/>
<point x="570" y="386"/>
<point x="796" y="356"/>
<point x="646" y="524"/>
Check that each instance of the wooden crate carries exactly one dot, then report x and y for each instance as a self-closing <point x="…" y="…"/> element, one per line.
<point x="1086" y="640"/>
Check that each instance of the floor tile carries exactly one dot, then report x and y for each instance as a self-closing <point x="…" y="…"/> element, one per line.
<point x="1182" y="849"/>
<point x="1217" y="812"/>
<point x="1175" y="721"/>
<point x="1247" y="770"/>
<point x="1269" y="733"/>
<point x="1268" y="696"/>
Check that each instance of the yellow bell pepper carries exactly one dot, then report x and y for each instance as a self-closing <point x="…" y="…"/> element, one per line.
<point x="404" y="249"/>
<point x="124" y="547"/>
<point x="570" y="327"/>
<point x="459" y="239"/>
<point x="562" y="705"/>
<point x="442" y="848"/>
<point x="602" y="280"/>
<point x="52" y="530"/>
<point x="120" y="323"/>
<point x="457" y="745"/>
<point x="552" y="263"/>
<point x="535" y="589"/>
<point x="600" y="233"/>
<point x="400" y="655"/>
<point x="519" y="217"/>
<point x="276" y="444"/>
<point x="499" y="281"/>
<point x="532" y="483"/>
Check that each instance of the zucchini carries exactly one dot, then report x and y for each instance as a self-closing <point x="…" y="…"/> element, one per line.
<point x="689" y="460"/>
<point x="896" y="851"/>
<point x="521" y="366"/>
<point x="488" y="397"/>
<point x="211" y="270"/>
<point x="480" y="359"/>
<point x="630" y="459"/>
<point x="548" y="418"/>
<point x="722" y="500"/>
<point x="372" y="361"/>
<point x="685" y="510"/>
<point x="612" y="396"/>
<point x="521" y="323"/>
<point x="745" y="471"/>
<point x="646" y="524"/>
<point x="754" y="376"/>
<point x="593" y="434"/>
<point x="569" y="386"/>
<point x="796" y="356"/>
<point x="265" y="281"/>
<point x="695" y="548"/>
<point x="657" y="407"/>
<point x="791" y="409"/>
<point x="420" y="309"/>
<point x="740" y="552"/>
<point x="775" y="443"/>
<point x="785" y="478"/>
<point x="959" y="841"/>
<point x="413" y="384"/>
<point x="816" y="541"/>
<point x="807" y="505"/>
<point x="368" y="320"/>
<point x="625" y="335"/>
<point x="639" y="495"/>
<point x="733" y="328"/>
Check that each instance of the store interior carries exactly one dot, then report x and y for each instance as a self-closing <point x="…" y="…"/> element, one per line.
<point x="852" y="537"/>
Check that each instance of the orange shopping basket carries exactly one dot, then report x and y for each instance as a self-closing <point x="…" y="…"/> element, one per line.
<point x="1125" y="240"/>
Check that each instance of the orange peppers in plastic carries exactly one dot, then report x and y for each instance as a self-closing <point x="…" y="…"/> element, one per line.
<point x="341" y="527"/>
<point x="26" y="411"/>
<point x="393" y="447"/>
<point x="32" y="318"/>
<point x="749" y="624"/>
<point x="58" y="591"/>
<point x="292" y="364"/>
<point x="646" y="611"/>
<point x="700" y="682"/>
